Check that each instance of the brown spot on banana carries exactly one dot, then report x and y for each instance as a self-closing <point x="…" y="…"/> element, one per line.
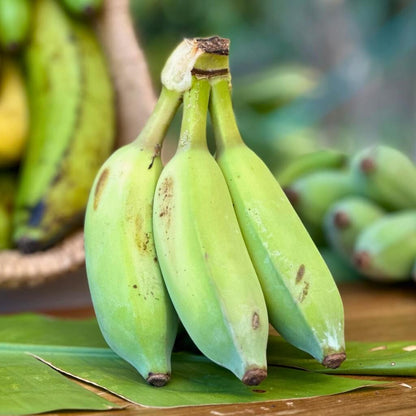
<point x="165" y="190"/>
<point x="304" y="293"/>
<point x="100" y="186"/>
<point x="255" y="320"/>
<point x="300" y="273"/>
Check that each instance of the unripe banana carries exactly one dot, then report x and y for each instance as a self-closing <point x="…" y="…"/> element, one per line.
<point x="130" y="300"/>
<point x="323" y="159"/>
<point x="15" y="19"/>
<point x="303" y="302"/>
<point x="313" y="194"/>
<point x="83" y="8"/>
<point x="346" y="219"/>
<point x="386" y="249"/>
<point x="205" y="264"/>
<point x="385" y="175"/>
<point x="7" y="191"/>
<point x="276" y="86"/>
<point x="72" y="130"/>
<point x="14" y="113"/>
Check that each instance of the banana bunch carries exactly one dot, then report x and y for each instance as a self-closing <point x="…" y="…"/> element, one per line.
<point x="57" y="121"/>
<point x="367" y="217"/>
<point x="210" y="243"/>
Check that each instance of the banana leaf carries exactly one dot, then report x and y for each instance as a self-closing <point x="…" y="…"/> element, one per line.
<point x="195" y="380"/>
<point x="396" y="358"/>
<point x="27" y="386"/>
<point x="76" y="347"/>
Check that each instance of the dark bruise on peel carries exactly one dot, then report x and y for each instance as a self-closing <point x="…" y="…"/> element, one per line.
<point x="305" y="291"/>
<point x="255" y="320"/>
<point x="100" y="186"/>
<point x="300" y="273"/>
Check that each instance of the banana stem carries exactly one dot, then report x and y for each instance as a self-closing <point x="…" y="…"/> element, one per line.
<point x="159" y="121"/>
<point x="225" y="127"/>
<point x="194" y="119"/>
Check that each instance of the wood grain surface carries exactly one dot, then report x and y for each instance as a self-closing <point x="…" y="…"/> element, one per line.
<point x="373" y="312"/>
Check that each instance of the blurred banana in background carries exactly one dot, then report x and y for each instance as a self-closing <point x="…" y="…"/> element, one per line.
<point x="14" y="113"/>
<point x="72" y="131"/>
<point x="15" y="18"/>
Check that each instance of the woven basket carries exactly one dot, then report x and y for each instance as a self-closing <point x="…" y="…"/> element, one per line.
<point x="135" y="100"/>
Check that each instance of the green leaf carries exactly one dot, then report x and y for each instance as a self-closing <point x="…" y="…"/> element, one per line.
<point x="195" y="380"/>
<point x="29" y="328"/>
<point x="363" y="358"/>
<point x="76" y="347"/>
<point x="27" y="386"/>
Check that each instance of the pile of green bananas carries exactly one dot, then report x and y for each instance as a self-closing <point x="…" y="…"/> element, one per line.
<point x="57" y="121"/>
<point x="208" y="243"/>
<point x="363" y="207"/>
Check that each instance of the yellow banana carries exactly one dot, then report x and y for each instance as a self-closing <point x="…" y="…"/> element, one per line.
<point x="14" y="113"/>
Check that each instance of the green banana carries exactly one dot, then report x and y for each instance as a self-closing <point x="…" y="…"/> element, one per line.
<point x="312" y="195"/>
<point x="15" y="19"/>
<point x="386" y="249"/>
<point x="303" y="302"/>
<point x="204" y="262"/>
<point x="276" y="86"/>
<point x="345" y="220"/>
<point x="7" y="191"/>
<point x="385" y="175"/>
<point x="311" y="162"/>
<point x="83" y="8"/>
<point x="130" y="300"/>
<point x="72" y="130"/>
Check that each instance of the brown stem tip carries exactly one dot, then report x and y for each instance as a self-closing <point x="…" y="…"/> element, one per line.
<point x="367" y="165"/>
<point x="334" y="360"/>
<point x="362" y="259"/>
<point x="254" y="376"/>
<point x="341" y="220"/>
<point x="214" y="45"/>
<point x="158" y="379"/>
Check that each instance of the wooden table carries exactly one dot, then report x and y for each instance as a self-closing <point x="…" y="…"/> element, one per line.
<point x="373" y="312"/>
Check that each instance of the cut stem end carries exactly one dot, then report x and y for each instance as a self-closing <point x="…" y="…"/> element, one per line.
<point x="254" y="376"/>
<point x="158" y="379"/>
<point x="334" y="360"/>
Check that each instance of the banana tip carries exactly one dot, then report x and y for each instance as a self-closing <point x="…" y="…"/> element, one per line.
<point x="158" y="379"/>
<point x="27" y="245"/>
<point x="362" y="259"/>
<point x="367" y="165"/>
<point x="254" y="376"/>
<point x="341" y="220"/>
<point x="334" y="360"/>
